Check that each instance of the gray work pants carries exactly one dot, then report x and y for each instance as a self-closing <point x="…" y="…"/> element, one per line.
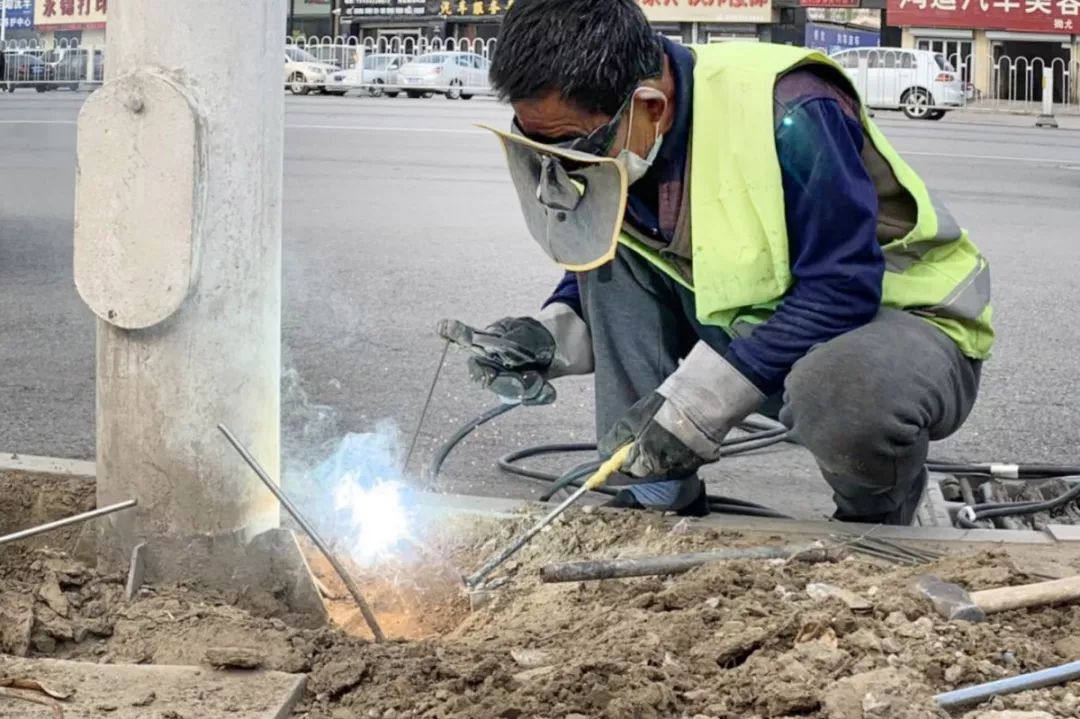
<point x="866" y="404"/>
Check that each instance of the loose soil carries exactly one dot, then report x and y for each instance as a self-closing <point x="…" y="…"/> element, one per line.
<point x="733" y="639"/>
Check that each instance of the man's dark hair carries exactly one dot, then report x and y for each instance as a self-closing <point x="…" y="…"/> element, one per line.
<point x="592" y="52"/>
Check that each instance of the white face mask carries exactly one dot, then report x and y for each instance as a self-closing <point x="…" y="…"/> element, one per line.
<point x="636" y="165"/>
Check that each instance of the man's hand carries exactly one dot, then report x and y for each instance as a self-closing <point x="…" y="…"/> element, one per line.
<point x="516" y="356"/>
<point x="680" y="426"/>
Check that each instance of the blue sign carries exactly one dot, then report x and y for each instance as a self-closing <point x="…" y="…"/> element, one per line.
<point x="18" y="14"/>
<point x="834" y="38"/>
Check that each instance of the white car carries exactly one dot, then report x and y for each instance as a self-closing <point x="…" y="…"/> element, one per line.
<point x="921" y="83"/>
<point x="457" y="75"/>
<point x="304" y="72"/>
<point x="378" y="75"/>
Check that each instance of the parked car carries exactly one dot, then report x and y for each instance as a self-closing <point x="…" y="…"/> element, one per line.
<point x="922" y="83"/>
<point x="304" y="72"/>
<point x="69" y="66"/>
<point x="377" y="75"/>
<point x="24" y="70"/>
<point x="453" y="74"/>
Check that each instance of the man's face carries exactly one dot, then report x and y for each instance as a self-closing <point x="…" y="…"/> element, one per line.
<point x="552" y="120"/>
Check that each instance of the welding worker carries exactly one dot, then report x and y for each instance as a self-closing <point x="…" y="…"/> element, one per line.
<point x="738" y="237"/>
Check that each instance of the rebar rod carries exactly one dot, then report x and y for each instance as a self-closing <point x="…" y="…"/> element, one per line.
<point x="66" y="521"/>
<point x="350" y="585"/>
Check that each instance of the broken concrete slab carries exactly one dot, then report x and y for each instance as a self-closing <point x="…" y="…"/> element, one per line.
<point x="130" y="691"/>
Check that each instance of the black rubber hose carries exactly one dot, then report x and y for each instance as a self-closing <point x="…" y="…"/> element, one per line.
<point x="466" y="429"/>
<point x="1033" y="472"/>
<point x="761" y="434"/>
<point x="968" y="519"/>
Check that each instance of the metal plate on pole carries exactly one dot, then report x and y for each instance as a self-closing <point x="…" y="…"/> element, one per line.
<point x="136" y="229"/>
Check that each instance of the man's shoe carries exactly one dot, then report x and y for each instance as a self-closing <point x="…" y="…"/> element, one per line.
<point x="698" y="507"/>
<point x="624" y="499"/>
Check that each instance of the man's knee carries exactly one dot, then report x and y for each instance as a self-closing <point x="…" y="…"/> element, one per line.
<point x="848" y="416"/>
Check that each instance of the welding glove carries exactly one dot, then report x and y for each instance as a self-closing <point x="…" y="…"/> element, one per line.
<point x="680" y="426"/>
<point x="516" y="357"/>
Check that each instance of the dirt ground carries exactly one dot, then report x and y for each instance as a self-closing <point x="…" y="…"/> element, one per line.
<point x="733" y="639"/>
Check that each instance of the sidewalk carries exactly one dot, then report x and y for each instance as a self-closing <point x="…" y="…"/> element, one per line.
<point x="1010" y="118"/>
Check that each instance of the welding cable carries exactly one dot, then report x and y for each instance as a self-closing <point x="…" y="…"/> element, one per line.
<point x="968" y="515"/>
<point x="1033" y="472"/>
<point x="465" y="430"/>
<point x="760" y="434"/>
<point x="578" y="474"/>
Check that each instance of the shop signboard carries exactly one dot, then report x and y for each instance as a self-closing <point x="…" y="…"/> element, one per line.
<point x="52" y="15"/>
<point x="1045" y="16"/>
<point x="18" y="14"/>
<point x="476" y="9"/>
<point x="834" y="38"/>
<point x="382" y="8"/>
<point x="707" y="11"/>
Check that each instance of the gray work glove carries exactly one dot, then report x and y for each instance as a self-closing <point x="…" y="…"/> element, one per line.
<point x="516" y="356"/>
<point x="680" y="426"/>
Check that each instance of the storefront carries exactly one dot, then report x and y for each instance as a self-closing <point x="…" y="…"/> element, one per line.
<point x="391" y="22"/>
<point x="67" y="22"/>
<point x="1000" y="46"/>
<point x="700" y="21"/>
<point x="309" y="18"/>
<point x="476" y="20"/>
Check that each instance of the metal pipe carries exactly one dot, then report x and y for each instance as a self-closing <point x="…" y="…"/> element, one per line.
<point x="674" y="563"/>
<point x="1032" y="680"/>
<point x="350" y="585"/>
<point x="66" y="521"/>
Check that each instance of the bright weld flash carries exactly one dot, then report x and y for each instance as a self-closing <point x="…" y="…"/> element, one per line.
<point x="377" y="514"/>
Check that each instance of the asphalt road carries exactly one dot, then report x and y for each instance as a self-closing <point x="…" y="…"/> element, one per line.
<point x="399" y="212"/>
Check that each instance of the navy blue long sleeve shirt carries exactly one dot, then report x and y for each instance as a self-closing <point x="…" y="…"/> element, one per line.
<point x="831" y="214"/>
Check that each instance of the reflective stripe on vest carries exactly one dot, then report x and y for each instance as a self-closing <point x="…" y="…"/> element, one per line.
<point x="741" y="268"/>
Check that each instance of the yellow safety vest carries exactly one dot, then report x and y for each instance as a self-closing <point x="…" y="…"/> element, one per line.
<point x="740" y="266"/>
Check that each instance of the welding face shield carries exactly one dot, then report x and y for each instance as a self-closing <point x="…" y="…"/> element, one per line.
<point x="573" y="201"/>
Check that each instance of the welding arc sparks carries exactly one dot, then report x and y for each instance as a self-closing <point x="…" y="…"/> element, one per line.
<point x="377" y="515"/>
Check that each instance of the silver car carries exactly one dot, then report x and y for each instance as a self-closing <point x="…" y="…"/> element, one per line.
<point x="378" y="75"/>
<point x="453" y="74"/>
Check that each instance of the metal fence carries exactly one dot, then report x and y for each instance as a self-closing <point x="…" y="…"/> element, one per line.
<point x="926" y="84"/>
<point x="922" y="83"/>
<point x="28" y="64"/>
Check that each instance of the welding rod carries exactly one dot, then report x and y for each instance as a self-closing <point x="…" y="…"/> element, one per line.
<point x="601" y="476"/>
<point x="66" y="521"/>
<point x="365" y="610"/>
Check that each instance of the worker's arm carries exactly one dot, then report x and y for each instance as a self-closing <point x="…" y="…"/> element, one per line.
<point x="831" y="206"/>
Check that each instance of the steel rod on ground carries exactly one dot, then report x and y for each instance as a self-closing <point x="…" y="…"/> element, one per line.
<point x="479" y="576"/>
<point x="365" y="610"/>
<point x="1033" y="680"/>
<point x="66" y="521"/>
<point x="676" y="563"/>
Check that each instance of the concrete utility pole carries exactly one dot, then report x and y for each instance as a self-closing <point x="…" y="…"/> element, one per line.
<point x="178" y="253"/>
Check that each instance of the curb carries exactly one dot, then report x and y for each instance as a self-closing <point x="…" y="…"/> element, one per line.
<point x="31" y="464"/>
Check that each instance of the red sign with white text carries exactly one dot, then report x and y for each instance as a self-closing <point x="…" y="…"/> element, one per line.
<point x="1050" y="16"/>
